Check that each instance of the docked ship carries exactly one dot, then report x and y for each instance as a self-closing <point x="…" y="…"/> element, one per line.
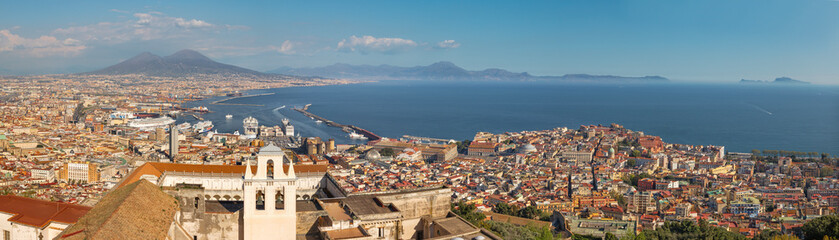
<point x="201" y="109"/>
<point x="203" y="126"/>
<point x="355" y="135"/>
<point x="183" y="126"/>
<point x="151" y="123"/>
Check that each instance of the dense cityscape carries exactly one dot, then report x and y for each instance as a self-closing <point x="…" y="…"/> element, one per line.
<point x="73" y="139"/>
<point x="436" y="120"/>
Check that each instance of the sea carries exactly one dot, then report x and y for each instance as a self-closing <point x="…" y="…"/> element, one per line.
<point x="740" y="117"/>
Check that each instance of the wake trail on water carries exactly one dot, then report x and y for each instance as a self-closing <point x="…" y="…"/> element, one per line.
<point x="759" y="108"/>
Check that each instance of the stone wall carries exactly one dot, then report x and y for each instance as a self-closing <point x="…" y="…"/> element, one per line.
<point x="433" y="203"/>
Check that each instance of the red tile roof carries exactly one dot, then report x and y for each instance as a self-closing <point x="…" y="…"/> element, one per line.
<point x="39" y="213"/>
<point x="158" y="168"/>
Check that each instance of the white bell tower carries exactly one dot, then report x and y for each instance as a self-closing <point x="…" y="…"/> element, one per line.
<point x="270" y="194"/>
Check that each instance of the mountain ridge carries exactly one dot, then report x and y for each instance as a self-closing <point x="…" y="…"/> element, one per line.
<point x="183" y="62"/>
<point x="445" y="70"/>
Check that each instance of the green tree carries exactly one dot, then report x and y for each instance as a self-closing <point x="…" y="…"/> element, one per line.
<point x="530" y="212"/>
<point x="820" y="227"/>
<point x="619" y="198"/>
<point x="631" y="162"/>
<point x="504" y="208"/>
<point x="387" y="152"/>
<point x="545" y="234"/>
<point x="785" y="237"/>
<point x="468" y="212"/>
<point x="766" y="234"/>
<point x="463" y="146"/>
<point x="826" y="172"/>
<point x="610" y="236"/>
<point x="632" y="179"/>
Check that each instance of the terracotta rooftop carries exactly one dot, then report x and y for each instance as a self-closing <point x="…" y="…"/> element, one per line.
<point x="158" y="168"/>
<point x="345" y="233"/>
<point x="39" y="213"/>
<point x="139" y="210"/>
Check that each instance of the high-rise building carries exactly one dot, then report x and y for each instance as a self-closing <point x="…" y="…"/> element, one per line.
<point x="173" y="142"/>
<point x="570" y="190"/>
<point x="640" y="202"/>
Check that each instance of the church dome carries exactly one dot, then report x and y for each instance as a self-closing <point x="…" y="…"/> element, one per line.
<point x="527" y="148"/>
<point x="373" y="155"/>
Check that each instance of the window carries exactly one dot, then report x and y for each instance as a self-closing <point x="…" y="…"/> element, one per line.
<point x="279" y="204"/>
<point x="194" y="237"/>
<point x="7" y="235"/>
<point x="196" y="202"/>
<point x="260" y="200"/>
<point x="381" y="232"/>
<point x="270" y="168"/>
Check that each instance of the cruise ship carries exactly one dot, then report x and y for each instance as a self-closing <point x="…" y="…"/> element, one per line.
<point x="151" y="123"/>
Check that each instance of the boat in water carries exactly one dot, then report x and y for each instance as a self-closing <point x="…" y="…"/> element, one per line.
<point x="203" y="126"/>
<point x="151" y="123"/>
<point x="318" y="121"/>
<point x="228" y="116"/>
<point x="200" y="109"/>
<point x="355" y="135"/>
<point x="183" y="126"/>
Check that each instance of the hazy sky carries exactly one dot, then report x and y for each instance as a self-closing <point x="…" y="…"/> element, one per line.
<point x="715" y="41"/>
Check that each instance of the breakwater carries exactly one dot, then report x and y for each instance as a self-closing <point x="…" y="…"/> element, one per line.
<point x="346" y="128"/>
<point x="222" y="101"/>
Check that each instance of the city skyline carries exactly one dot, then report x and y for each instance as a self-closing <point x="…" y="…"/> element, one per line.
<point x="711" y="41"/>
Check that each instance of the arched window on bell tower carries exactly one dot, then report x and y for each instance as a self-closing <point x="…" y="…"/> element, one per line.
<point x="270" y="169"/>
<point x="279" y="204"/>
<point x="260" y="200"/>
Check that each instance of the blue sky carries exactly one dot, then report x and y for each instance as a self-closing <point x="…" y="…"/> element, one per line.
<point x="710" y="41"/>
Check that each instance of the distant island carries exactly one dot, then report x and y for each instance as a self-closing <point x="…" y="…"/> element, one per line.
<point x="780" y="80"/>
<point x="448" y="71"/>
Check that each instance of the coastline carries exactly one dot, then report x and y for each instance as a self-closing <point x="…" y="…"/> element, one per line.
<point x="381" y="108"/>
